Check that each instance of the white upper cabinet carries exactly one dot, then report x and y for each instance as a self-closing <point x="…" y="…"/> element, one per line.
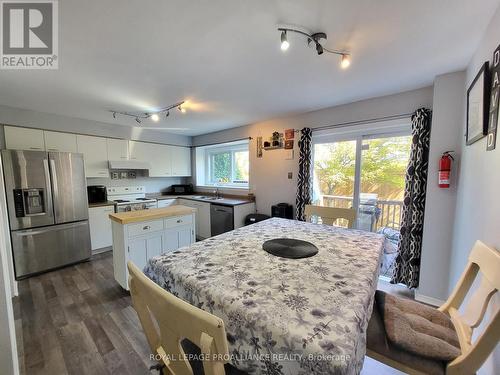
<point x="181" y="161"/>
<point x="138" y="151"/>
<point x="164" y="160"/>
<point x="62" y="142"/>
<point x="158" y="156"/>
<point x="95" y="153"/>
<point x="117" y="149"/>
<point x="24" y="138"/>
<point x="161" y="163"/>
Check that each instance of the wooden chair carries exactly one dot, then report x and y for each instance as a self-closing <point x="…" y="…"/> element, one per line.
<point x="329" y="215"/>
<point x="167" y="320"/>
<point x="483" y="260"/>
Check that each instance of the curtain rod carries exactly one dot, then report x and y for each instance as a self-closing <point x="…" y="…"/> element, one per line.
<point x="222" y="142"/>
<point x="361" y="122"/>
<point x="331" y="126"/>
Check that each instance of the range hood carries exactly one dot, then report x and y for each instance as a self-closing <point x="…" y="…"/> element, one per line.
<point x="128" y="164"/>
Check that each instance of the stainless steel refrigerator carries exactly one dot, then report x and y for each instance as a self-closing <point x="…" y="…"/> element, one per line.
<point x="48" y="211"/>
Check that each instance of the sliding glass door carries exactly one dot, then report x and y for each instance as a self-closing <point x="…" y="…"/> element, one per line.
<point x="382" y="181"/>
<point x="364" y="172"/>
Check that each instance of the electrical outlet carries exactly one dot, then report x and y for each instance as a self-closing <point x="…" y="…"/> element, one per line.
<point x="290" y="175"/>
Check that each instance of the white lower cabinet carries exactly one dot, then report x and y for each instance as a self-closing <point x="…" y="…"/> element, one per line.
<point x="140" y="241"/>
<point x="144" y="247"/>
<point x="100" y="226"/>
<point x="177" y="237"/>
<point x="202" y="216"/>
<point x="166" y="202"/>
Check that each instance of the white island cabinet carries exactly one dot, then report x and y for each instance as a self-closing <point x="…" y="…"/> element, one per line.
<point x="141" y="235"/>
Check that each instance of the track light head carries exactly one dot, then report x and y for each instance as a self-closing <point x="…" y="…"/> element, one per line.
<point x="345" y="61"/>
<point x="167" y="114"/>
<point x="114" y="114"/>
<point x="319" y="49"/>
<point x="284" y="41"/>
<point x="155" y="117"/>
<point x="137" y="120"/>
<point x="182" y="109"/>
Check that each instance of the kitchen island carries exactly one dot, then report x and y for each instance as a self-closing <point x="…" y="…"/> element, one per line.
<point x="141" y="235"/>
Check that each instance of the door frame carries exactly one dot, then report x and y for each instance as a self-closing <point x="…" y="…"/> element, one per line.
<point x="360" y="133"/>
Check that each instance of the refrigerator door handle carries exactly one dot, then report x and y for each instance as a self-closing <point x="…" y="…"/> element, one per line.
<point x="55" y="189"/>
<point x="48" y="188"/>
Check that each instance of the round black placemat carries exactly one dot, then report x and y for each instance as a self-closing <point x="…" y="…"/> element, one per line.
<point x="290" y="248"/>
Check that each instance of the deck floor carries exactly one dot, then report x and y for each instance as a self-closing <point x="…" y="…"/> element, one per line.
<point x="78" y="320"/>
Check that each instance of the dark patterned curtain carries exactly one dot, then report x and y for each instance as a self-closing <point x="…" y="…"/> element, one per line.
<point x="407" y="265"/>
<point x="304" y="177"/>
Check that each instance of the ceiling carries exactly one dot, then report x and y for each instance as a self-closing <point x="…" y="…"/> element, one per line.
<point x="224" y="57"/>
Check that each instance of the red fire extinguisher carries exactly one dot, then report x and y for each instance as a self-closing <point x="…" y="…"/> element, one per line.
<point x="445" y="169"/>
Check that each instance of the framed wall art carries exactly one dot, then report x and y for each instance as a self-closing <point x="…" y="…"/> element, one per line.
<point x="478" y="96"/>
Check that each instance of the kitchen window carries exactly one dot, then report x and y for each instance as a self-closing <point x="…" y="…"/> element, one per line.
<point x="224" y="165"/>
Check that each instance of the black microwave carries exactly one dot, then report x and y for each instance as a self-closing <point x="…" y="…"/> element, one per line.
<point x="184" y="189"/>
<point x="97" y="194"/>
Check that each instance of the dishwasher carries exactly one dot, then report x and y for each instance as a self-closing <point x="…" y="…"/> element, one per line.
<point x="221" y="219"/>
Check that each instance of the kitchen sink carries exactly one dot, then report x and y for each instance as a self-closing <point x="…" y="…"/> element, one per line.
<point x="205" y="197"/>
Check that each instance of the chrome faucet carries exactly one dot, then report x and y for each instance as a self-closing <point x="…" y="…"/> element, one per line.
<point x="216" y="192"/>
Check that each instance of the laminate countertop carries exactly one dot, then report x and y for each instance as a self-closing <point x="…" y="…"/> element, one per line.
<point x="229" y="201"/>
<point x="151" y="214"/>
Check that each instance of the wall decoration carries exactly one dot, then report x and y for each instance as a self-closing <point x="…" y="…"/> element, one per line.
<point x="259" y="147"/>
<point x="275" y="142"/>
<point x="289" y="144"/>
<point x="494" y="102"/>
<point x="478" y="96"/>
<point x="289" y="134"/>
<point x="275" y="139"/>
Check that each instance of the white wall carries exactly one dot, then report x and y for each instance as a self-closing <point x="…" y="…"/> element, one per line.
<point x="152" y="184"/>
<point x="478" y="204"/>
<point x="478" y="197"/>
<point x="446" y="135"/>
<point x="268" y="175"/>
<point x="33" y="119"/>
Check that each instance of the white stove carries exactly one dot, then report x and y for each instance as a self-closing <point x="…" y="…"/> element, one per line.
<point x="130" y="198"/>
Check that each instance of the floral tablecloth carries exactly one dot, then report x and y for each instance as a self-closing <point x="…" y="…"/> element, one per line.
<point x="282" y="316"/>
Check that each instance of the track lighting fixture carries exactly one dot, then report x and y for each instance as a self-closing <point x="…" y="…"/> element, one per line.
<point x="284" y="41"/>
<point x="154" y="116"/>
<point x="316" y="39"/>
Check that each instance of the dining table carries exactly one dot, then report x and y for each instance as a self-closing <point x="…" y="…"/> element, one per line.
<point x="282" y="316"/>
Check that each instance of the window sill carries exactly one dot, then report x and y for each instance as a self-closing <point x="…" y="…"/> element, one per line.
<point x="225" y="187"/>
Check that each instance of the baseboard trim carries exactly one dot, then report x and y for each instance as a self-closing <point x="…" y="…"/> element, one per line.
<point x="428" y="300"/>
<point x="102" y="250"/>
<point x="384" y="278"/>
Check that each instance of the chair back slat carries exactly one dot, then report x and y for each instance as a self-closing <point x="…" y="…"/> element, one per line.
<point x="329" y="215"/>
<point x="488" y="261"/>
<point x="478" y="303"/>
<point x="167" y="320"/>
<point x="484" y="262"/>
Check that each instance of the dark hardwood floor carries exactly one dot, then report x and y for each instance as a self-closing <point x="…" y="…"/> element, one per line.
<point x="78" y="320"/>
